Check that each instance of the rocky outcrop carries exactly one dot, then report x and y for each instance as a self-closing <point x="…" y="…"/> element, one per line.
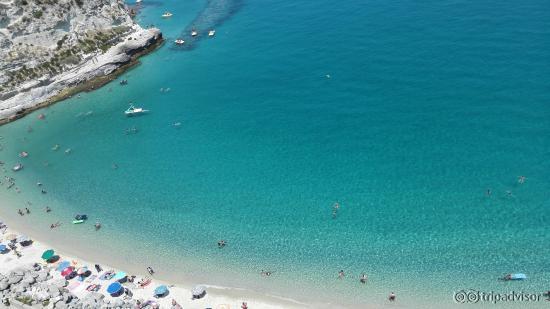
<point x="31" y="287"/>
<point x="50" y="49"/>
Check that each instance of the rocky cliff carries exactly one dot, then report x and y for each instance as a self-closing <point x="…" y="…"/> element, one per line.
<point x="47" y="46"/>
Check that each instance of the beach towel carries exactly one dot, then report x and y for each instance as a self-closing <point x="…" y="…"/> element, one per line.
<point x="73" y="285"/>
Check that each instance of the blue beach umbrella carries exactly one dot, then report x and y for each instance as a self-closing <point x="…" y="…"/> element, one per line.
<point x="63" y="265"/>
<point x="119" y="275"/>
<point x="161" y="290"/>
<point x="114" y="288"/>
<point x="3" y="248"/>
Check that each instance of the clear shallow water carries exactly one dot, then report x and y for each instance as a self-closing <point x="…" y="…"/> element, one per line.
<point x="427" y="106"/>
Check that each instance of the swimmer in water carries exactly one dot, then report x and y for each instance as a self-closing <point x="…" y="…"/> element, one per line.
<point x="521" y="179"/>
<point x="341" y="274"/>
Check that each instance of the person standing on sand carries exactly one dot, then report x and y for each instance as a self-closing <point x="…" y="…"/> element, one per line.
<point x="27" y="210"/>
<point x="150" y="270"/>
<point x="391" y="297"/>
<point x="244" y="305"/>
<point x="363" y="278"/>
<point x="175" y="305"/>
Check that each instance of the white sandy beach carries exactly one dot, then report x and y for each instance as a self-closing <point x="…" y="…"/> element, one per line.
<point x="215" y="297"/>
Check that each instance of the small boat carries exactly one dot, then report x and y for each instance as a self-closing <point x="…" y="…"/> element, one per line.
<point x="138" y="1"/>
<point x="179" y="42"/>
<point x="167" y="15"/>
<point x="68" y="150"/>
<point x="78" y="221"/>
<point x="211" y="32"/>
<point x="23" y="154"/>
<point x="194" y="33"/>
<point x="81" y="217"/>
<point x="132" y="111"/>
<point x="515" y="277"/>
<point x="55" y="148"/>
<point x="18" y="167"/>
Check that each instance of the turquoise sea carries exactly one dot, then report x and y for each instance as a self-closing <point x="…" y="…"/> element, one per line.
<point x="405" y="112"/>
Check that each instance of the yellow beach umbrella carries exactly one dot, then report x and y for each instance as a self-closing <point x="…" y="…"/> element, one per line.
<point x="10" y="237"/>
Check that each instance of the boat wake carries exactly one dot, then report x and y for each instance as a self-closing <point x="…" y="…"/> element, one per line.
<point x="215" y="13"/>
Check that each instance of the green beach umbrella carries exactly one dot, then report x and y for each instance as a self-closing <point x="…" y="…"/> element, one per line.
<point x="48" y="254"/>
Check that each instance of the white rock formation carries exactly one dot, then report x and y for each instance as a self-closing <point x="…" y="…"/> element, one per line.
<point x="49" y="45"/>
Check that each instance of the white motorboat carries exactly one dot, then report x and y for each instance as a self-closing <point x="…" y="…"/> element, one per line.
<point x="18" y="167"/>
<point x="167" y="15"/>
<point x="23" y="154"/>
<point x="211" y="32"/>
<point x="179" y="42"/>
<point x="194" y="33"/>
<point x="138" y="1"/>
<point x="134" y="111"/>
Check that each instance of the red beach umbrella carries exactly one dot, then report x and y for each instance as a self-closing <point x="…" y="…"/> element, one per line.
<point x="67" y="271"/>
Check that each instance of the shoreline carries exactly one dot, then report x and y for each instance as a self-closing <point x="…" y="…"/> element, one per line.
<point x="87" y="86"/>
<point x="87" y="76"/>
<point x="216" y="297"/>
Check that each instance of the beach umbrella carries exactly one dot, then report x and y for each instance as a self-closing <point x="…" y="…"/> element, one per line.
<point x="63" y="265"/>
<point x="48" y="254"/>
<point x="22" y="238"/>
<point x="198" y="291"/>
<point x="82" y="270"/>
<point x="3" y="248"/>
<point x="114" y="288"/>
<point x="119" y="275"/>
<point x="10" y="237"/>
<point x="161" y="290"/>
<point x="67" y="271"/>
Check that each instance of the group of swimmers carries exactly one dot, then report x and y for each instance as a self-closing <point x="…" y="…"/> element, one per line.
<point x="363" y="278"/>
<point x="521" y="180"/>
<point x="21" y="213"/>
